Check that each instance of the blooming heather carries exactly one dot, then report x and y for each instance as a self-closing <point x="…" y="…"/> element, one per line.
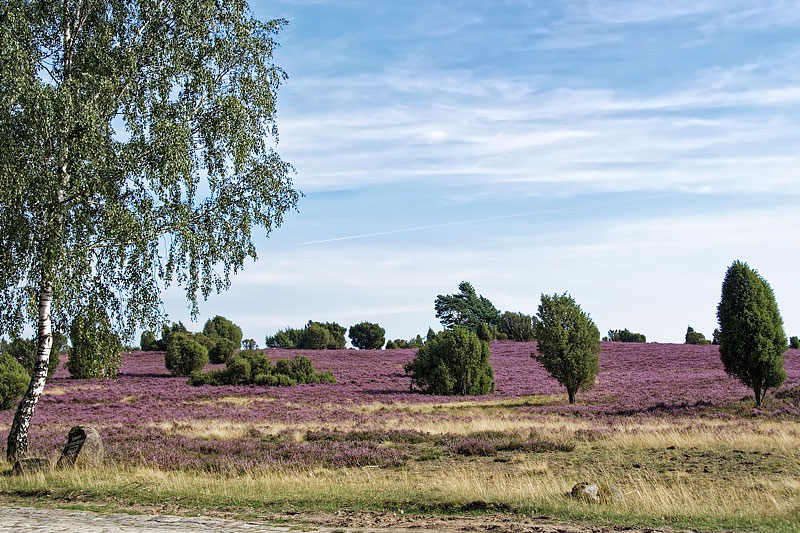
<point x="148" y="417"/>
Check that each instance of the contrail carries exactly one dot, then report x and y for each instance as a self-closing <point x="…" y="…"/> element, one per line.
<point x="475" y="220"/>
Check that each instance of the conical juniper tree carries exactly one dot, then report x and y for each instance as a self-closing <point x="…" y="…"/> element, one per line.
<point x="751" y="336"/>
<point x="136" y="150"/>
<point x="568" y="343"/>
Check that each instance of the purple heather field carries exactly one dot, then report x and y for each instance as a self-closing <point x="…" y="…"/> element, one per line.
<point x="145" y="416"/>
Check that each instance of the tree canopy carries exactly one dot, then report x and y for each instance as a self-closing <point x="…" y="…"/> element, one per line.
<point x="367" y="336"/>
<point x="466" y="309"/>
<point x="568" y="343"/>
<point x="136" y="151"/>
<point x="751" y="336"/>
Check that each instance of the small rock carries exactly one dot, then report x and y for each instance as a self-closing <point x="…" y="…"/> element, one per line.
<point x="596" y="492"/>
<point x="83" y="447"/>
<point x="30" y="465"/>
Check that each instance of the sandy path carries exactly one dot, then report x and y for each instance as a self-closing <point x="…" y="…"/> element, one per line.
<point x="24" y="519"/>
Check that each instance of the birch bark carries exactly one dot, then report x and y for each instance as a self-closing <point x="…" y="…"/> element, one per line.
<point x="17" y="446"/>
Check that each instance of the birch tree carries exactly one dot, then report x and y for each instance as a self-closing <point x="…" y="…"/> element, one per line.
<point x="136" y="151"/>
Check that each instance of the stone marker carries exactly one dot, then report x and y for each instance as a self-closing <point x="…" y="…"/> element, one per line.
<point x="29" y="465"/>
<point x="596" y="492"/>
<point x="83" y="447"/>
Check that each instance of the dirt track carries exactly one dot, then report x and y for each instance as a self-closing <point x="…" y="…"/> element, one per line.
<point x="19" y="519"/>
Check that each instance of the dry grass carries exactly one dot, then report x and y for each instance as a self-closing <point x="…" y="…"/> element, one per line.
<point x="461" y="408"/>
<point x="58" y="391"/>
<point x="238" y="401"/>
<point x="531" y="484"/>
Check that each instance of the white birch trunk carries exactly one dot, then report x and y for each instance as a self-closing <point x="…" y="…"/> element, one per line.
<point x="17" y="446"/>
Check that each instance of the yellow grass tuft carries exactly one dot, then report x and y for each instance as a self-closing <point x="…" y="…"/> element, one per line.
<point x="58" y="391"/>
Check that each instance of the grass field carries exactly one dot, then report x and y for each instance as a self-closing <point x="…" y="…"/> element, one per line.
<point x="664" y="424"/>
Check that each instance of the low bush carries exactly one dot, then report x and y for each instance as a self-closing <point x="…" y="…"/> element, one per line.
<point x="274" y="380"/>
<point x="488" y="333"/>
<point x="207" y="342"/>
<point x="238" y="371"/>
<point x="221" y="349"/>
<point x="14" y="379"/>
<point x="254" y="367"/>
<point x="516" y="326"/>
<point x="168" y="331"/>
<point x="258" y="360"/>
<point x="311" y="337"/>
<point x="397" y="344"/>
<point x="794" y="343"/>
<point x="286" y="338"/>
<point x="185" y="355"/>
<point x="623" y="335"/>
<point x="454" y="361"/>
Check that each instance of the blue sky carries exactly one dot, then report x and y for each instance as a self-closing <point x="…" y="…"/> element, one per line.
<point x="625" y="151"/>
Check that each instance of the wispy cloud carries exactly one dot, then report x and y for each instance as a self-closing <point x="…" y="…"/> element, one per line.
<point x="501" y="130"/>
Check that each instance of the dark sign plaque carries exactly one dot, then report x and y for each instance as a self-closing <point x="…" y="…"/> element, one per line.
<point x="75" y="440"/>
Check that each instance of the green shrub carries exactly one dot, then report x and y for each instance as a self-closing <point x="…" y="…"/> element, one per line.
<point x="794" y="343"/>
<point x="148" y="342"/>
<point x="249" y="344"/>
<point x="315" y="337"/>
<point x="185" y="355"/>
<point x="695" y="337"/>
<point x="258" y="360"/>
<point x="516" y="326"/>
<point x="396" y="344"/>
<point x="336" y="340"/>
<point x="255" y="367"/>
<point x="286" y="338"/>
<point x="299" y="368"/>
<point x="623" y="335"/>
<point x="367" y="336"/>
<point x="168" y="331"/>
<point x="237" y="371"/>
<point x="310" y="337"/>
<point x="568" y="343"/>
<point x="222" y="350"/>
<point x="95" y="348"/>
<point x="14" y="379"/>
<point x="274" y="380"/>
<point x="214" y="377"/>
<point x="206" y="342"/>
<point x="486" y="332"/>
<point x="26" y="351"/>
<point x="452" y="362"/>
<point x="219" y="326"/>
